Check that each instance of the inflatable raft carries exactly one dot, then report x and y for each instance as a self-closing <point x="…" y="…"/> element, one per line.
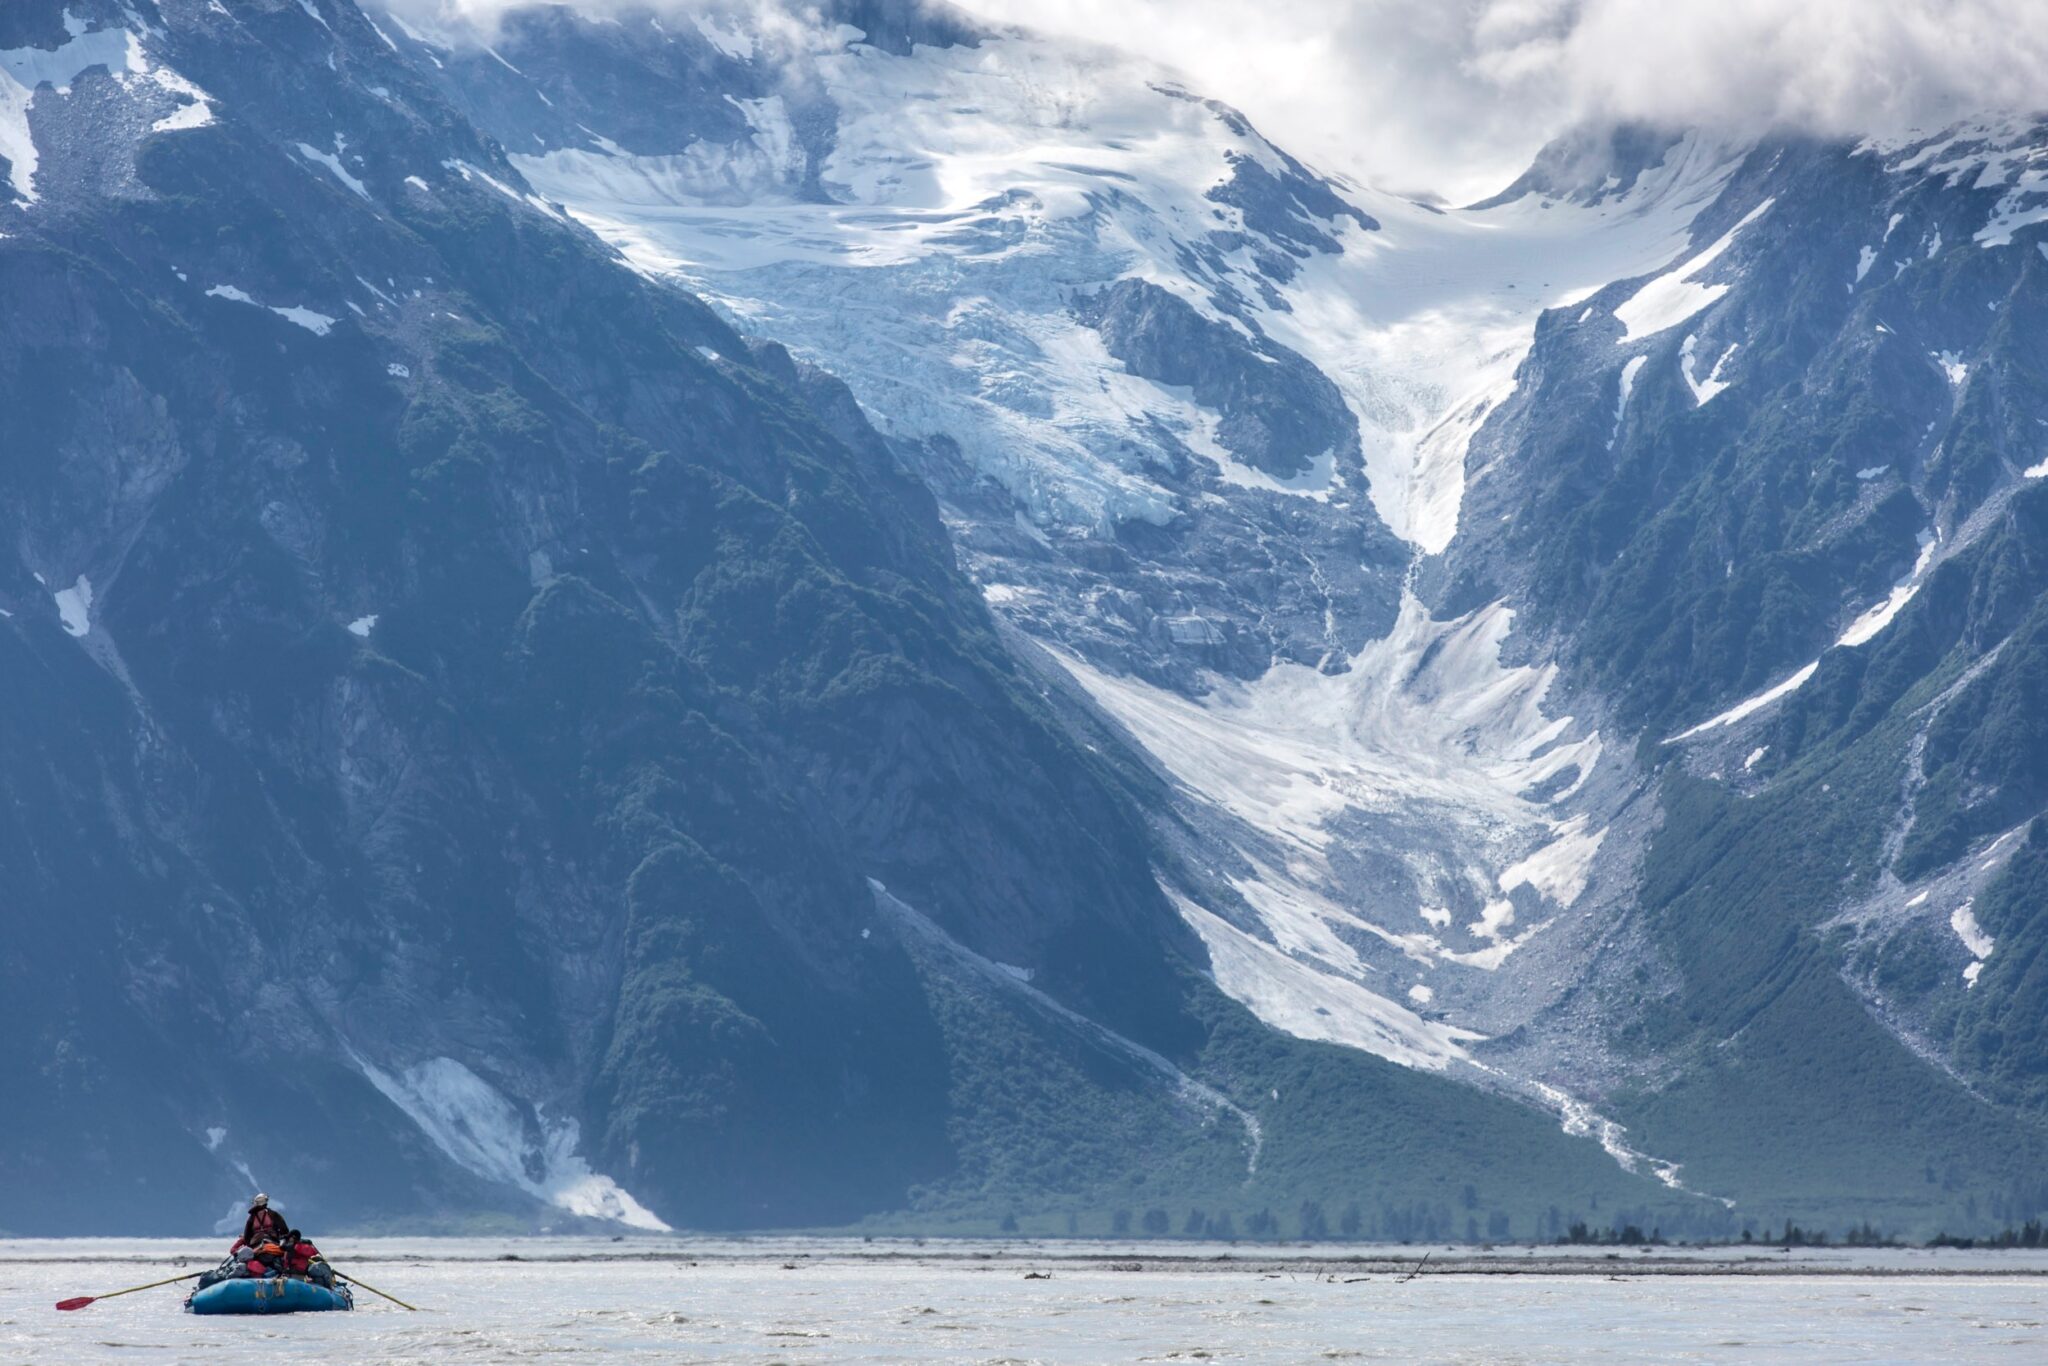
<point x="268" y="1295"/>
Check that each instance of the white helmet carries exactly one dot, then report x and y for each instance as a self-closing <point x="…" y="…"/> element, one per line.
<point x="260" y="1201"/>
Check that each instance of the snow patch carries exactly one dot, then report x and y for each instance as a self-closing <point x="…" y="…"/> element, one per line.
<point x="1866" y="627"/>
<point x="728" y="38"/>
<point x="1678" y="294"/>
<point x="316" y="323"/>
<point x="1749" y="706"/>
<point x="1580" y="1120"/>
<point x="2024" y="204"/>
<point x="332" y="161"/>
<point x="24" y="70"/>
<point x="1963" y="920"/>
<point x="74" y="607"/>
<point x="1628" y="384"/>
<point x="483" y="1132"/>
<point x="196" y="112"/>
<point x="1754" y="755"/>
<point x="362" y="626"/>
<point x="1561" y="868"/>
<point x="472" y="173"/>
<point x="1704" y="390"/>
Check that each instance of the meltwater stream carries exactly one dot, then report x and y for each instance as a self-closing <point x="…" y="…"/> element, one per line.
<point x="784" y="1300"/>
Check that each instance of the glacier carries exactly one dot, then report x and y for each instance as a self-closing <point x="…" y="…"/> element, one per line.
<point x="938" y="275"/>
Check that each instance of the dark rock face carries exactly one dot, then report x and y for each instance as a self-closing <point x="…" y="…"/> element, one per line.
<point x="1821" y="482"/>
<point x="1280" y="414"/>
<point x="1590" y="165"/>
<point x="484" y="658"/>
<point x="1292" y="208"/>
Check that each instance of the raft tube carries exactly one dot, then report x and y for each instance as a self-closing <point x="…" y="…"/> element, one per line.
<point x="268" y="1295"/>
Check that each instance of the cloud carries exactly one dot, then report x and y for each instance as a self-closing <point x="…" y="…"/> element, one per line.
<point x="1457" y="97"/>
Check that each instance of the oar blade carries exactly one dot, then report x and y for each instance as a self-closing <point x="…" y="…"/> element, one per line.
<point x="76" y="1302"/>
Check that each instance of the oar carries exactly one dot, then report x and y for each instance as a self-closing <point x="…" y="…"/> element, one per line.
<point x="375" y="1291"/>
<point x="83" y="1300"/>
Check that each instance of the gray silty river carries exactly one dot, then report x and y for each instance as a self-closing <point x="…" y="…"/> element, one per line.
<point x="837" y="1301"/>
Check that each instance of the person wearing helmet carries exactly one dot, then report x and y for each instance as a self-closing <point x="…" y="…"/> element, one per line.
<point x="264" y="1224"/>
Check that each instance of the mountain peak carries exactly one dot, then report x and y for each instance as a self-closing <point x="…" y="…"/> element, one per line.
<point x="1590" y="164"/>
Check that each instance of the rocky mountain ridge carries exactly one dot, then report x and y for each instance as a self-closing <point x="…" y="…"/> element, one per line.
<point x="1481" y="717"/>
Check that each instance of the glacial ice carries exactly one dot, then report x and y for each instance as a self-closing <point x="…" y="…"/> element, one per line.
<point x="1425" y="720"/>
<point x="1296" y="996"/>
<point x="940" y="287"/>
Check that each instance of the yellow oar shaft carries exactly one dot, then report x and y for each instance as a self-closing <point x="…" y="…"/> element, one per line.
<point x="151" y="1286"/>
<point x="375" y="1291"/>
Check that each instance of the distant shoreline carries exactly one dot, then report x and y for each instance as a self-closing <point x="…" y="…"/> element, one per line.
<point x="1365" y="1263"/>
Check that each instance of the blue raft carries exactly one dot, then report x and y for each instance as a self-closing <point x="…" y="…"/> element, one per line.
<point x="268" y="1295"/>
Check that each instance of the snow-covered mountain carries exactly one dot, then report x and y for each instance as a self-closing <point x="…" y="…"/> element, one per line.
<point x="1527" y="707"/>
<point x="1292" y="477"/>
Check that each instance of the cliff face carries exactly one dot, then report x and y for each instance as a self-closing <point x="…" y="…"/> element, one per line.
<point x="447" y="666"/>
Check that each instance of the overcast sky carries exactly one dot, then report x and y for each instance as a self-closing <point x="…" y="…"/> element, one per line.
<point x="1453" y="97"/>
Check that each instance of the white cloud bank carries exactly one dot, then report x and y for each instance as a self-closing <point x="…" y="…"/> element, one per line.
<point x="1455" y="96"/>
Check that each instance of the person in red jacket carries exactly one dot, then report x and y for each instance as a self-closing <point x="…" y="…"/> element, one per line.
<point x="301" y="1258"/>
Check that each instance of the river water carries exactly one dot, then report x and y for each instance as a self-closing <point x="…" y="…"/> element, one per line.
<point x="795" y="1301"/>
